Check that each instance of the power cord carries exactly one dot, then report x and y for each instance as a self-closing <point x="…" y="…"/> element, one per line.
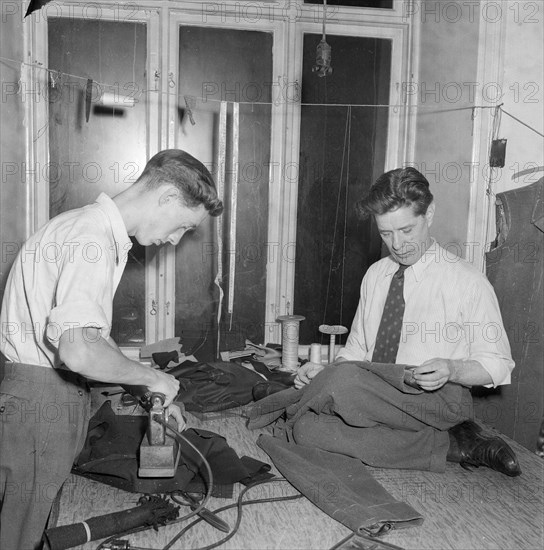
<point x="194" y="512"/>
<point x="238" y="504"/>
<point x="182" y="438"/>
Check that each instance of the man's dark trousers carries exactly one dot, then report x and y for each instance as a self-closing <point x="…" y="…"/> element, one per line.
<point x="349" y="410"/>
<point x="44" y="413"/>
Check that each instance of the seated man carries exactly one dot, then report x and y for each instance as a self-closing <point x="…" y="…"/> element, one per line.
<point x="429" y="310"/>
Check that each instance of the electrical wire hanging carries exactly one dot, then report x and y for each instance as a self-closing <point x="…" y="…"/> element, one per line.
<point x="346" y="147"/>
<point x="345" y="223"/>
<point x="57" y="76"/>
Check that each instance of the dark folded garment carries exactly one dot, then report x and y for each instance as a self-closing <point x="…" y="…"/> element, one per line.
<point x="110" y="455"/>
<point x="214" y="386"/>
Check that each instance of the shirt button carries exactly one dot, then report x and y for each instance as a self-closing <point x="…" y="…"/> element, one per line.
<point x="2" y="409"/>
<point x="80" y="393"/>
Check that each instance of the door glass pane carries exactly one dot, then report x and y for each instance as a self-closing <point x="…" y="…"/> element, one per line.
<point x="342" y="151"/>
<point x="107" y="152"/>
<point x="236" y="66"/>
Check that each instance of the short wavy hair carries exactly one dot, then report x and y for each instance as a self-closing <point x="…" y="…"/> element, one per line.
<point x="189" y="175"/>
<point x="394" y="189"/>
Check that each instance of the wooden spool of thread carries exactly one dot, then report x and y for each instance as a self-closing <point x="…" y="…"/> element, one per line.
<point x="332" y="331"/>
<point x="315" y="353"/>
<point x="289" y="341"/>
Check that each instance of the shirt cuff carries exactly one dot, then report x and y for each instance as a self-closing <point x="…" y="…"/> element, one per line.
<point x="499" y="369"/>
<point x="75" y="315"/>
<point x="349" y="354"/>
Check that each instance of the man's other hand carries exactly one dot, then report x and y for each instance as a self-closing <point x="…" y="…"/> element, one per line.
<point x="175" y="412"/>
<point x="433" y="374"/>
<point x="306" y="373"/>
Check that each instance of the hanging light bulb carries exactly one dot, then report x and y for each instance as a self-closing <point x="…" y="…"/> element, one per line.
<point x="324" y="53"/>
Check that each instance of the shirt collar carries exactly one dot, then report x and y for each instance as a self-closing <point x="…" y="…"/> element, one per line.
<point x="430" y="256"/>
<point x="421" y="265"/>
<point x="392" y="266"/>
<point x="119" y="231"/>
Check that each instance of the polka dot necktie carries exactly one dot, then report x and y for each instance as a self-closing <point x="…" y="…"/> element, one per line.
<point x="388" y="337"/>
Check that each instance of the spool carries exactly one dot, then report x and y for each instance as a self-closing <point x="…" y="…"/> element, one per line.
<point x="332" y="331"/>
<point x="315" y="353"/>
<point x="289" y="341"/>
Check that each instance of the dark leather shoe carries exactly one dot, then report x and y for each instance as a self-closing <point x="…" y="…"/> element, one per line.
<point x="264" y="389"/>
<point x="477" y="449"/>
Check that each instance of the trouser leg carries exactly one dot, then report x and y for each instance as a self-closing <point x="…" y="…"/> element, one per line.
<point x="377" y="446"/>
<point x="365" y="417"/>
<point x="42" y="428"/>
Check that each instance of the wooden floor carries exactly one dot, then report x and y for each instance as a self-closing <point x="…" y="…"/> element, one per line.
<point x="462" y="510"/>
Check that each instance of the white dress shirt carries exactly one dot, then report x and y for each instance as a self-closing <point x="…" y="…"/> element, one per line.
<point x="451" y="312"/>
<point x="64" y="277"/>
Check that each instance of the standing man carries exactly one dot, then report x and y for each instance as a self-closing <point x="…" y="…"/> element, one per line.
<point x="429" y="310"/>
<point x="55" y="330"/>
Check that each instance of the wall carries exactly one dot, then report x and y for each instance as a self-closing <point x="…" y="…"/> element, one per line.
<point x="522" y="87"/>
<point x="12" y="143"/>
<point x="445" y="88"/>
<point x="448" y="79"/>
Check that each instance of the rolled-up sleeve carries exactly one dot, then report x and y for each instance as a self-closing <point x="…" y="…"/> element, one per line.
<point x="84" y="291"/>
<point x="487" y="337"/>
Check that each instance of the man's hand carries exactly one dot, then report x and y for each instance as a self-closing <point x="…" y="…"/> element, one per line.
<point x="164" y="383"/>
<point x="306" y="373"/>
<point x="175" y="412"/>
<point x="433" y="374"/>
